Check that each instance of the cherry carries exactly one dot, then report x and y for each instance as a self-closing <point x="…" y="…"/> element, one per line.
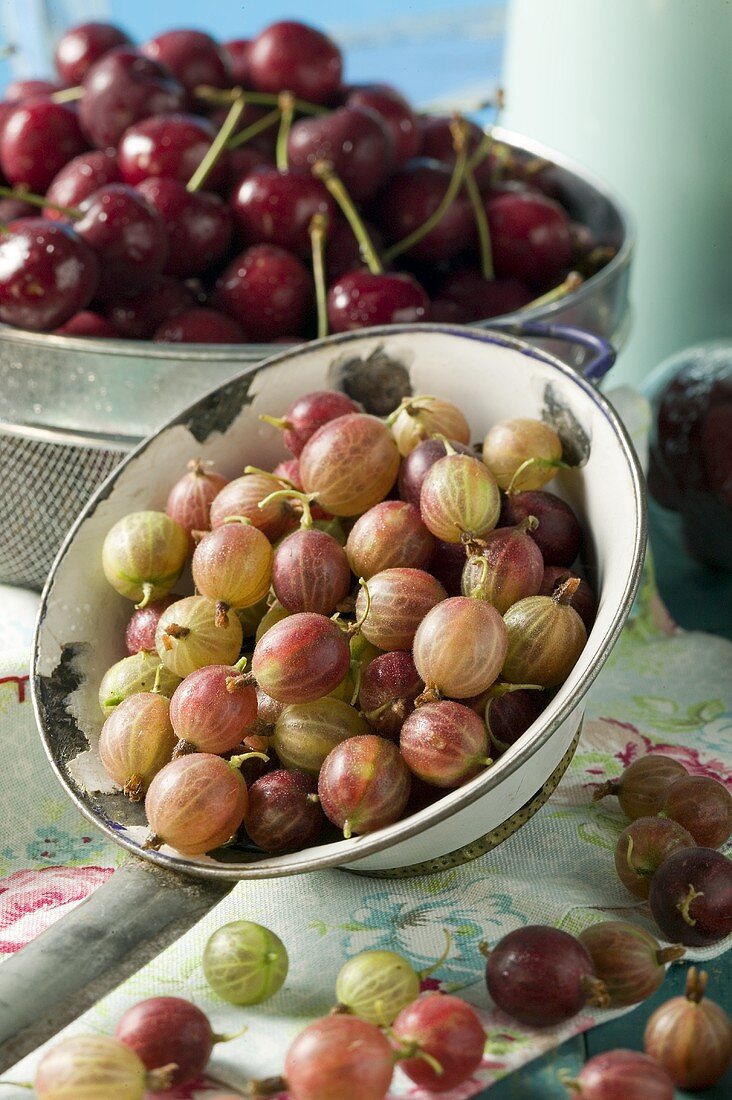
<point x="360" y="299"/>
<point x="193" y="58"/>
<point x="80" y="178"/>
<point x="47" y="274"/>
<point x="37" y="139"/>
<point x="121" y="88"/>
<point x="199" y="225"/>
<point x="343" y="252"/>
<point x="353" y="139"/>
<point x="137" y="317"/>
<point x="478" y="298"/>
<point x="78" y="49"/>
<point x="411" y="196"/>
<point x="12" y="209"/>
<point x="169" y="145"/>
<point x="437" y="144"/>
<point x="297" y="58"/>
<point x="268" y="290"/>
<point x="129" y="237"/>
<point x="243" y="160"/>
<point x="277" y="207"/>
<point x="396" y="114"/>
<point x="200" y="326"/>
<point x="448" y="312"/>
<point x="237" y="53"/>
<point x="19" y="90"/>
<point x="530" y="238"/>
<point x="87" y="323"/>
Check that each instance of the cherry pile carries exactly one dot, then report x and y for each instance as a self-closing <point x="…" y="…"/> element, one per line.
<point x="197" y="192"/>
<point x="668" y="852"/>
<point x="349" y="653"/>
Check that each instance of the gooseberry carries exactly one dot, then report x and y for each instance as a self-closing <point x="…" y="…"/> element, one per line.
<point x="558" y="533"/>
<point x="303" y="657"/>
<point x="376" y="986"/>
<point x="308" y="413"/>
<point x="310" y="572"/>
<point x="545" y="638"/>
<point x="642" y="787"/>
<point x="415" y="465"/>
<point x="196" y="803"/>
<point x="189" y="501"/>
<point x="459" y="496"/>
<point x="190" y="634"/>
<point x="232" y="566"/>
<point x="448" y="1032"/>
<point x="143" y="555"/>
<point x="84" y="1067"/>
<point x="212" y="709"/>
<point x="691" y="897"/>
<point x="622" y="1075"/>
<point x="350" y="464"/>
<point x="339" y="1056"/>
<point x="305" y="733"/>
<point x="690" y="1036"/>
<point x="629" y="960"/>
<point x="444" y="743"/>
<point x="419" y="418"/>
<point x="136" y="741"/>
<point x="140" y="630"/>
<point x="460" y="647"/>
<point x="284" y="813"/>
<point x="522" y="453"/>
<point x="245" y="963"/>
<point x="242" y="497"/>
<point x="394" y="603"/>
<point x="701" y="805"/>
<point x="642" y="848"/>
<point x="390" y="535"/>
<point x="504" y="567"/>
<point x="509" y="713"/>
<point x="363" y="784"/>
<point x="582" y="599"/>
<point x="168" y="1029"/>
<point x="389" y="685"/>
<point x="139" y="672"/>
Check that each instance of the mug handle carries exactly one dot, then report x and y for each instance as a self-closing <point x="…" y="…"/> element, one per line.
<point x="604" y="353"/>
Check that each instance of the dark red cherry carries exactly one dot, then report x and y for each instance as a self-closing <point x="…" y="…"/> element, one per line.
<point x="267" y="290"/>
<point x="343" y="252"/>
<point x="237" y="53"/>
<point x="199" y="225"/>
<point x="20" y="90"/>
<point x="437" y="143"/>
<point x="122" y="88"/>
<point x="37" y="139"/>
<point x="297" y="58"/>
<point x="353" y="139"/>
<point x="78" y="49"/>
<point x="87" y="323"/>
<point x="242" y="161"/>
<point x="200" y="326"/>
<point x="277" y="207"/>
<point x="479" y="298"/>
<point x="410" y="197"/>
<point x="137" y="317"/>
<point x="396" y="114"/>
<point x="447" y="312"/>
<point x="169" y="145"/>
<point x="47" y="274"/>
<point x="530" y="238"/>
<point x="193" y="58"/>
<point x="360" y="300"/>
<point x="128" y="236"/>
<point x="80" y="178"/>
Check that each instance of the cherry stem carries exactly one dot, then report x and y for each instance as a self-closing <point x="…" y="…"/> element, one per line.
<point x="287" y="114"/>
<point x="38" y="200"/>
<point x="257" y="127"/>
<point x="318" y="229"/>
<point x="564" y="593"/>
<point x="323" y="170"/>
<point x="68" y="95"/>
<point x="488" y="139"/>
<point x="573" y="280"/>
<point x="684" y="904"/>
<point x="422" y="974"/>
<point x="459" y="132"/>
<point x="481" y="224"/>
<point x="147" y="591"/>
<point x="528" y="464"/>
<point x="235" y="762"/>
<point x="218" y="145"/>
<point x="305" y="499"/>
<point x="696" y="984"/>
<point x="222" y="96"/>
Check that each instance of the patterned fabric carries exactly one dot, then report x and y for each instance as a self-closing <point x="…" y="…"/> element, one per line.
<point x="662" y="691"/>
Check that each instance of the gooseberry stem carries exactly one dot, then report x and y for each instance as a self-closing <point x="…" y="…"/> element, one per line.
<point x="269" y="1086"/>
<point x="696" y="984"/>
<point x="147" y="591"/>
<point x="277" y="422"/>
<point x="683" y="905"/>
<point x="475" y="590"/>
<point x="413" y="1050"/>
<point x="235" y="762"/>
<point x="218" y="145"/>
<point x="611" y="786"/>
<point x="670" y="954"/>
<point x="563" y="594"/>
<point x="528" y="463"/>
<point x="257" y="127"/>
<point x="237" y="519"/>
<point x="267" y="473"/>
<point x="287" y="113"/>
<point x="596" y="992"/>
<point x="156" y="681"/>
<point x="355" y="628"/>
<point x="323" y="171"/>
<point x="422" y="974"/>
<point x="17" y="1084"/>
<point x="318" y="229"/>
<point x="38" y="200"/>
<point x="221" y="617"/>
<point x="305" y="500"/>
<point x="459" y="136"/>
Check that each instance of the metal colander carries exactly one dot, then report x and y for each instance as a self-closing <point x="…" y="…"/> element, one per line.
<point x="71" y="408"/>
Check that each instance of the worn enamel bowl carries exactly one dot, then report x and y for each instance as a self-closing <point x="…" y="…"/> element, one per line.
<point x="491" y="376"/>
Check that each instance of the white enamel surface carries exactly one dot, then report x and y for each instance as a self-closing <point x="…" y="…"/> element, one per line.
<point x="489" y="383"/>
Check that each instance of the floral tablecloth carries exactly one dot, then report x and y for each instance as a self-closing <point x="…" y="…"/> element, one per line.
<point x="662" y="690"/>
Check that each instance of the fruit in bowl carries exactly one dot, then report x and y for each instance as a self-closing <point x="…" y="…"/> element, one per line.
<point x="254" y="167"/>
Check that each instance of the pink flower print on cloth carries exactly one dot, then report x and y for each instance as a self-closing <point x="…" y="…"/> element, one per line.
<point x="30" y="901"/>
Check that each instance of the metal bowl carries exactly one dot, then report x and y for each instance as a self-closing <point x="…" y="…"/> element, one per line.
<point x="489" y="375"/>
<point x="70" y="408"/>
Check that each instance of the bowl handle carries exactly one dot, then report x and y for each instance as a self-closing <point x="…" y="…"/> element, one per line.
<point x="604" y="353"/>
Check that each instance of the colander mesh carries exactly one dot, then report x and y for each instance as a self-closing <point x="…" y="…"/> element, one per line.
<point x="45" y="484"/>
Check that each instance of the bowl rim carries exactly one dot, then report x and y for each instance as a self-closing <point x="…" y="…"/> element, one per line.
<point x="196" y="353"/>
<point x="344" y="852"/>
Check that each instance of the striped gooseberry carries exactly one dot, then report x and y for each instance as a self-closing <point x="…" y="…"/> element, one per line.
<point x="523" y="453"/>
<point x="418" y="418"/>
<point x="459" y="497"/>
<point x="545" y="638"/>
<point x="190" y="634"/>
<point x="245" y="963"/>
<point x="305" y="733"/>
<point x="189" y="501"/>
<point x="303" y="657"/>
<point x="444" y="743"/>
<point x="143" y="555"/>
<point x="242" y="497"/>
<point x="363" y="784"/>
<point x="393" y="604"/>
<point x="232" y="566"/>
<point x="212" y="709"/>
<point x="390" y="535"/>
<point x="460" y="647"/>
<point x="350" y="464"/>
<point x="504" y="566"/>
<point x="136" y="741"/>
<point x="138" y="672"/>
